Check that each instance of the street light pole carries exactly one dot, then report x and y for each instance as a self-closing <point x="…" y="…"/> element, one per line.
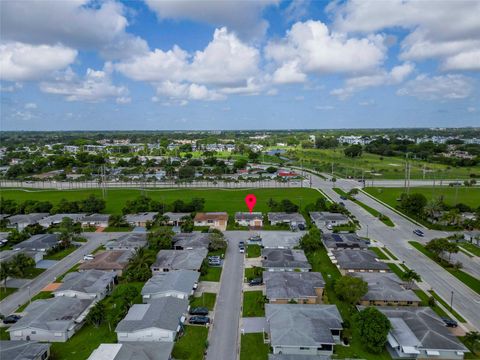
<point x="451" y="302"/>
<point x="367" y="230"/>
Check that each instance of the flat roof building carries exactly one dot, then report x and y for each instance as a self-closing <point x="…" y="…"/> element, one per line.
<point x="285" y="260"/>
<point x="349" y="261"/>
<point x="302" y="287"/>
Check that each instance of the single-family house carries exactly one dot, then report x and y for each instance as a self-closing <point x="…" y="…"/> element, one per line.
<point x="301" y="287"/>
<point x="386" y="289"/>
<point x="285" y="260"/>
<point x="128" y="241"/>
<point x="303" y="329"/>
<point x="89" y="284"/>
<point x="140" y="219"/>
<point x="159" y="320"/>
<point x="325" y="218"/>
<point x="177" y="283"/>
<point x="344" y="241"/>
<point x="292" y="219"/>
<point x="168" y="260"/>
<point x="419" y="333"/>
<point x="95" y="220"/>
<point x="350" y="261"/>
<point x="24" y="350"/>
<point x="133" y="351"/>
<point x="51" y="320"/>
<point x="111" y="260"/>
<point x="39" y="242"/>
<point x="8" y="255"/>
<point x="57" y="219"/>
<point x="214" y="220"/>
<point x="21" y="221"/>
<point x="250" y="219"/>
<point x="281" y="239"/>
<point x="175" y="219"/>
<point x="191" y="240"/>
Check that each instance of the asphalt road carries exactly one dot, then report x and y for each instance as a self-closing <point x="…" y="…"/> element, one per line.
<point x="465" y="301"/>
<point x="20" y="297"/>
<point x="223" y="340"/>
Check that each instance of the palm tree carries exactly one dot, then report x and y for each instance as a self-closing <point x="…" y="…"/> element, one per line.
<point x="19" y="264"/>
<point x="432" y="208"/>
<point x="410" y="276"/>
<point x="452" y="217"/>
<point x="5" y="272"/>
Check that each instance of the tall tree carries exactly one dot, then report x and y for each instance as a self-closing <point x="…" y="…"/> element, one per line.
<point x="410" y="276"/>
<point x="350" y="289"/>
<point x="373" y="327"/>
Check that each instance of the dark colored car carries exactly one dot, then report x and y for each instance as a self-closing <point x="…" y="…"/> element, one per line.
<point x="343" y="197"/>
<point x="241" y="244"/>
<point x="254" y="282"/>
<point x="255" y="238"/>
<point x="418" y="232"/>
<point x="301" y="227"/>
<point x="11" y="319"/>
<point x="199" y="320"/>
<point x="341" y="204"/>
<point x="199" y="311"/>
<point x="450" y="322"/>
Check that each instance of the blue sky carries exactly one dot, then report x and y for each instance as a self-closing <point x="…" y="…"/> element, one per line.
<point x="272" y="64"/>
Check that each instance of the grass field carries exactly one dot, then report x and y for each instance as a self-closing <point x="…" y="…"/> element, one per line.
<point x="252" y="347"/>
<point x="470" y="247"/>
<point x="250" y="273"/>
<point x="253" y="251"/>
<point x="253" y="304"/>
<point x="230" y="200"/>
<point x="4" y="292"/>
<point x="467" y="195"/>
<point x="192" y="344"/>
<point x="447" y="306"/>
<point x="379" y="252"/>
<point x="213" y="274"/>
<point x="206" y="300"/>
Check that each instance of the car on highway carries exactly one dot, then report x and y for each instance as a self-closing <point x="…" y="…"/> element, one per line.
<point x="199" y="320"/>
<point x="418" y="232"/>
<point x="450" y="322"/>
<point x="11" y="319"/>
<point x="202" y="311"/>
<point x="255" y="282"/>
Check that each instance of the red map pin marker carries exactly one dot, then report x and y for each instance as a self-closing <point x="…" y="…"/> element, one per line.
<point x="250" y="200"/>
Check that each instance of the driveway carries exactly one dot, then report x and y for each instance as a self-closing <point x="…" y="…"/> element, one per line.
<point x="253" y="325"/>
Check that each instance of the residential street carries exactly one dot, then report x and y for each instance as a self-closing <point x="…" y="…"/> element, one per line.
<point x="20" y="297"/>
<point x="223" y="339"/>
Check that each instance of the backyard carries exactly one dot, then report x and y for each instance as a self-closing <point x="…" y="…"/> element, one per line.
<point x="191" y="345"/>
<point x="253" y="304"/>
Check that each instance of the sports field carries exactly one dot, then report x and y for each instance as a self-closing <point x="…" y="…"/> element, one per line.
<point x="230" y="200"/>
<point x="467" y="195"/>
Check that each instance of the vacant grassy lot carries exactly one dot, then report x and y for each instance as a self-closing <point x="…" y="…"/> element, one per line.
<point x="192" y="344"/>
<point x="252" y="347"/>
<point x="213" y="274"/>
<point x="467" y="195"/>
<point x="253" y="251"/>
<point x="253" y="273"/>
<point x="206" y="300"/>
<point x="230" y="200"/>
<point x="253" y="304"/>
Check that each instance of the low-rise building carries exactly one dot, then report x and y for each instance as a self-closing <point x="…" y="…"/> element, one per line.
<point x="24" y="350"/>
<point x="89" y="284"/>
<point x="250" y="219"/>
<point x="285" y="260"/>
<point x="325" y="218"/>
<point x="177" y="283"/>
<point x="39" y="242"/>
<point x="344" y="241"/>
<point x="140" y="219"/>
<point x="8" y="255"/>
<point x="20" y="222"/>
<point x="168" y="260"/>
<point x="95" y="220"/>
<point x="301" y="287"/>
<point x="386" y="289"/>
<point x="128" y="241"/>
<point x="293" y="219"/>
<point x="52" y="320"/>
<point x="175" y="219"/>
<point x="191" y="240"/>
<point x="57" y="219"/>
<point x="159" y="320"/>
<point x="303" y="329"/>
<point x="111" y="260"/>
<point x="350" y="261"/>
<point x="419" y="333"/>
<point x="214" y="220"/>
<point x="133" y="351"/>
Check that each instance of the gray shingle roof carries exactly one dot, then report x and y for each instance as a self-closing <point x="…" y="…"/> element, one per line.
<point x="22" y="350"/>
<point x="57" y="218"/>
<point x="302" y="325"/>
<point x="425" y="328"/>
<point x="284" y="258"/>
<point x="90" y="281"/>
<point x="131" y="240"/>
<point x="292" y="285"/>
<point x="56" y="314"/>
<point x="96" y="218"/>
<point x="32" y="218"/>
<point x="37" y="242"/>
<point x="140" y="217"/>
<point x="344" y="241"/>
<point x="385" y="287"/>
<point x="191" y="240"/>
<point x="144" y="350"/>
<point x="325" y="216"/>
<point x="248" y="216"/>
<point x="180" y="259"/>
<point x="108" y="260"/>
<point x="163" y="313"/>
<point x="359" y="260"/>
<point x="286" y="217"/>
<point x="175" y="216"/>
<point x="178" y="280"/>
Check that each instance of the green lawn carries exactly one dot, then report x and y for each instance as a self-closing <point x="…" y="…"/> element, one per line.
<point x="213" y="274"/>
<point x="253" y="251"/>
<point x="424" y="298"/>
<point x="396" y="269"/>
<point x="253" y="304"/>
<point x="33" y="272"/>
<point x="252" y="347"/>
<point x="39" y="296"/>
<point x="230" y="200"/>
<point x="379" y="252"/>
<point x="4" y="292"/>
<point x="474" y="249"/>
<point x="60" y="254"/>
<point x="467" y="279"/>
<point x="389" y="253"/>
<point x="206" y="300"/>
<point x="447" y="306"/>
<point x="192" y="344"/>
<point x="4" y="334"/>
<point x="467" y="195"/>
<point x="253" y="273"/>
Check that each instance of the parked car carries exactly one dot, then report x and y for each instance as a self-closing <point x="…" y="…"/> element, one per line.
<point x="450" y="322"/>
<point x="242" y="250"/>
<point x="241" y="244"/>
<point x="343" y="197"/>
<point x="216" y="262"/>
<point x="198" y="311"/>
<point x="301" y="227"/>
<point x="214" y="258"/>
<point x="418" y="232"/>
<point x="255" y="282"/>
<point x="329" y="227"/>
<point x="341" y="204"/>
<point x="89" y="257"/>
<point x="11" y="319"/>
<point x="255" y="238"/>
<point x="199" y="320"/>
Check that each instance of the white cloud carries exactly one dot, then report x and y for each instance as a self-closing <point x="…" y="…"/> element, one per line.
<point x="448" y="87"/>
<point x="469" y="60"/>
<point x="471" y="109"/>
<point x="11" y="88"/>
<point x="296" y="10"/>
<point x="73" y="23"/>
<point x="366" y="103"/>
<point x="30" y="106"/>
<point x="314" y="48"/>
<point x="440" y="29"/>
<point x="96" y="86"/>
<point x="243" y="17"/>
<point x="289" y="73"/>
<point x="123" y="100"/>
<point x="22" y="62"/>
<point x="175" y="90"/>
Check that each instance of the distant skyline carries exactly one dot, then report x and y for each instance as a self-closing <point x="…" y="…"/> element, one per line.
<point x="246" y="65"/>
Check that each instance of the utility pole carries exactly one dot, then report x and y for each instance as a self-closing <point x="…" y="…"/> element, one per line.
<point x="406" y="172"/>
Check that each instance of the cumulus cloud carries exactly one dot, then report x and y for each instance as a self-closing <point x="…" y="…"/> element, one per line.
<point x="243" y="17"/>
<point x="289" y="73"/>
<point x="174" y="90"/>
<point x="446" y="87"/>
<point x="21" y="62"/>
<point x="469" y="60"/>
<point x="309" y="47"/>
<point x="96" y="86"/>
<point x="73" y="23"/>
<point x="439" y="29"/>
<point x="30" y="106"/>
